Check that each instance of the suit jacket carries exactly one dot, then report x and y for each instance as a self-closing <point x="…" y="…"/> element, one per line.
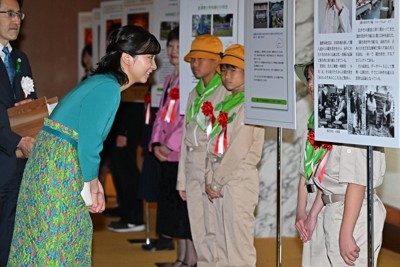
<point x="11" y="168"/>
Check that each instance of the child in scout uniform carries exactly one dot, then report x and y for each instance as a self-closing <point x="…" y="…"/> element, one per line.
<point x="233" y="152"/>
<point x="203" y="57"/>
<point x="342" y="189"/>
<point x="165" y="143"/>
<point x="314" y="250"/>
<point x="340" y="175"/>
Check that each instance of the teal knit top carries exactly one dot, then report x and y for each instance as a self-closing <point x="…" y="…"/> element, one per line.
<point x="90" y="109"/>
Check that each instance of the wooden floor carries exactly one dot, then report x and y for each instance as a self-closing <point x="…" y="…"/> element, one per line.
<point x="114" y="250"/>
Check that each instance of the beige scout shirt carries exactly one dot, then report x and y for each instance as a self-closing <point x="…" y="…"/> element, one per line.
<point x="192" y="165"/>
<point x="244" y="151"/>
<point x="348" y="164"/>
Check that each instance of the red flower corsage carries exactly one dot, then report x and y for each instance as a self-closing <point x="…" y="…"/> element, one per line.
<point x="174" y="93"/>
<point x="223" y="119"/>
<point x="207" y="108"/>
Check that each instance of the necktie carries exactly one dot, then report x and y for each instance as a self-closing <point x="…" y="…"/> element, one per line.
<point x="9" y="65"/>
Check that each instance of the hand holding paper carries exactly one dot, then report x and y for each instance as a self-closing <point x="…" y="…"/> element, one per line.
<point x="97" y="192"/>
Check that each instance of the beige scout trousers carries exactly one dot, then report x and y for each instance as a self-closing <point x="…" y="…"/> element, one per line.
<point x="332" y="222"/>
<point x="200" y="210"/>
<point x="235" y="220"/>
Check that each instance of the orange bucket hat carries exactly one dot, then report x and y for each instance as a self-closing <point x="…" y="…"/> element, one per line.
<point x="205" y="46"/>
<point x="233" y="55"/>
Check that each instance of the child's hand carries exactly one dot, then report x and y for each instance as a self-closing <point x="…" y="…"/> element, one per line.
<point x="300" y="219"/>
<point x="309" y="225"/>
<point x="352" y="205"/>
<point x="212" y="194"/>
<point x="348" y="248"/>
<point x="182" y="194"/>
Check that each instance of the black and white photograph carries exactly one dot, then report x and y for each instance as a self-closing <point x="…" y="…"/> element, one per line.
<point x="357" y="110"/>
<point x="371" y="110"/>
<point x="332" y="107"/>
<point x="379" y="111"/>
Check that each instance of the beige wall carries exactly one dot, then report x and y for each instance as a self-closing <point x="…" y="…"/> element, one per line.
<point x="49" y="38"/>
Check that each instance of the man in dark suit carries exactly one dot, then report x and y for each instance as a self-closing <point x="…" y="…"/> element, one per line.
<point x="14" y="68"/>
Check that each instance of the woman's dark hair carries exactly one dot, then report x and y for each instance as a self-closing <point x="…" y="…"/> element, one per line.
<point x="173" y="35"/>
<point x="133" y="40"/>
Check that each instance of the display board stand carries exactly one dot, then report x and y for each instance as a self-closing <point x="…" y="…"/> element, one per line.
<point x="370" y="203"/>
<point x="147" y="240"/>
<point x="279" y="199"/>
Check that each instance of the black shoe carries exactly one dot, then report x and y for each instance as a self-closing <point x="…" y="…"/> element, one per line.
<point x="112" y="212"/>
<point x="165" y="244"/>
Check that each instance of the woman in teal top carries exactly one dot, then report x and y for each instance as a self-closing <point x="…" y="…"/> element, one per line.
<point x="91" y="114"/>
<point x="53" y="225"/>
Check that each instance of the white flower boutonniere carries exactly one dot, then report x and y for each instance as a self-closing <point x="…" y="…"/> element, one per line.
<point x="27" y="85"/>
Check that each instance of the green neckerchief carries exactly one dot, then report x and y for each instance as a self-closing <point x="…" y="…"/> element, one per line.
<point x="230" y="102"/>
<point x="203" y="94"/>
<point x="314" y="151"/>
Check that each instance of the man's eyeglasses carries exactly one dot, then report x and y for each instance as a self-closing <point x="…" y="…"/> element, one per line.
<point x="12" y="14"/>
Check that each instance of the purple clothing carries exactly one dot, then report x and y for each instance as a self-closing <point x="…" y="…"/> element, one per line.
<point x="168" y="133"/>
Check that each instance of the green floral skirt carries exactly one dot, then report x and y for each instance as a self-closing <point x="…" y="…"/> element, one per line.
<point x="52" y="225"/>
